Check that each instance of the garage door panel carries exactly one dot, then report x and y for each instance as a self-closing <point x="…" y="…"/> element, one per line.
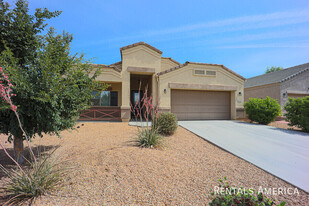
<point x="200" y="108"/>
<point x="195" y="105"/>
<point x="202" y="115"/>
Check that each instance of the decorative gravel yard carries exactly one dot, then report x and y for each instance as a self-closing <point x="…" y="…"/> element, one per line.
<point x="107" y="169"/>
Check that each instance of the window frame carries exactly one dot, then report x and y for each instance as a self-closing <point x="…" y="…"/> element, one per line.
<point x="99" y="98"/>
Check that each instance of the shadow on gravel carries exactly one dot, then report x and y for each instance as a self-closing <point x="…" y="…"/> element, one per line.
<point x="8" y="164"/>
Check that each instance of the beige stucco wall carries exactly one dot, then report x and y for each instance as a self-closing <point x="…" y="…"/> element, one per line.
<point x="271" y="90"/>
<point x="167" y="64"/>
<point x="185" y="75"/>
<point x="139" y="56"/>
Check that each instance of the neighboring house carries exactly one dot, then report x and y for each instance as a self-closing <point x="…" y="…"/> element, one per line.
<point x="192" y="91"/>
<point x="291" y="82"/>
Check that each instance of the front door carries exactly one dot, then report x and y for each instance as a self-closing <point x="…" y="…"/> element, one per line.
<point x="136" y="97"/>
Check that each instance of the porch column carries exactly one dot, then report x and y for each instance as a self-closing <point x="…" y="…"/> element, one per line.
<point x="154" y="88"/>
<point x="125" y="97"/>
<point x="233" y="105"/>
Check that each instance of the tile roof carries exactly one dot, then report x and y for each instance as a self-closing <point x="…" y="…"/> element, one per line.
<point x="277" y="76"/>
<point x="107" y="66"/>
<point x="186" y="63"/>
<point x="118" y="65"/>
<point x="176" y="62"/>
<point x="140" y="43"/>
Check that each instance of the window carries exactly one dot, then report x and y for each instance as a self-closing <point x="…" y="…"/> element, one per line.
<point x="104" y="98"/>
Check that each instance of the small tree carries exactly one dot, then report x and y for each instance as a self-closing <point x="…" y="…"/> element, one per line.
<point x="273" y="69"/>
<point x="263" y="111"/>
<point x="51" y="85"/>
<point x="45" y="172"/>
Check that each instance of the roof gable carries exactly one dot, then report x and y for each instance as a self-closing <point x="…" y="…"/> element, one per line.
<point x="139" y="44"/>
<point x="185" y="64"/>
<point x="277" y="76"/>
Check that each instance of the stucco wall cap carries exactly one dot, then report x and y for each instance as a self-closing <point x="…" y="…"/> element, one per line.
<point x="138" y="44"/>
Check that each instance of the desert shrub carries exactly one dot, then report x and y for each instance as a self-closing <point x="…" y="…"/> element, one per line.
<point x="149" y="138"/>
<point x="238" y="196"/>
<point x="298" y="112"/>
<point x="263" y="111"/>
<point x="30" y="183"/>
<point x="146" y="110"/>
<point x="166" y="123"/>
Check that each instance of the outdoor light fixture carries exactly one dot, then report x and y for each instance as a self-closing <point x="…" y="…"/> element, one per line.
<point x="164" y="91"/>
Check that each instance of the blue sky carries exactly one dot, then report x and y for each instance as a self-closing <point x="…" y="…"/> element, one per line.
<point x="244" y="35"/>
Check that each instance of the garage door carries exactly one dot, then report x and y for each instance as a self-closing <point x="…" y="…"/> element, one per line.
<point x="198" y="105"/>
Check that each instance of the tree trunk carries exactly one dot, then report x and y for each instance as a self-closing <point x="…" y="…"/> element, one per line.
<point x="19" y="149"/>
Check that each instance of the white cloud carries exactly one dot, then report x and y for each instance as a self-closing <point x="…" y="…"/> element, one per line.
<point x="245" y="22"/>
<point x="227" y="25"/>
<point x="271" y="45"/>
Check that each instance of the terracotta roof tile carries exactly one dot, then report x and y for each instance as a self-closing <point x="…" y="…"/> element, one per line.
<point x="120" y="62"/>
<point x="106" y="66"/>
<point x="176" y="62"/>
<point x="172" y="69"/>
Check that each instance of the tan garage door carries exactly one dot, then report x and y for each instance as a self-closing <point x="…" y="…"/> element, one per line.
<point x="198" y="105"/>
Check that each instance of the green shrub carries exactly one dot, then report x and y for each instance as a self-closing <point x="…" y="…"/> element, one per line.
<point x="38" y="179"/>
<point x="149" y="138"/>
<point x="298" y="112"/>
<point x="263" y="111"/>
<point x="166" y="123"/>
<point x="238" y="196"/>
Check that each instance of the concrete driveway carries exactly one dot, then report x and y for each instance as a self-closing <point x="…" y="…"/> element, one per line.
<point x="283" y="153"/>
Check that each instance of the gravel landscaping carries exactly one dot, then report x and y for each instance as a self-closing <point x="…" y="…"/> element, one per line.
<point x="107" y="169"/>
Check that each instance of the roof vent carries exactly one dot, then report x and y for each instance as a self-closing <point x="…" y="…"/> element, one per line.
<point x="204" y="72"/>
<point x="211" y="73"/>
<point x="199" y="72"/>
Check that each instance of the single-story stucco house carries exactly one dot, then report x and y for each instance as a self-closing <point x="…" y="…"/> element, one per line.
<point x="192" y="91"/>
<point x="291" y="82"/>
